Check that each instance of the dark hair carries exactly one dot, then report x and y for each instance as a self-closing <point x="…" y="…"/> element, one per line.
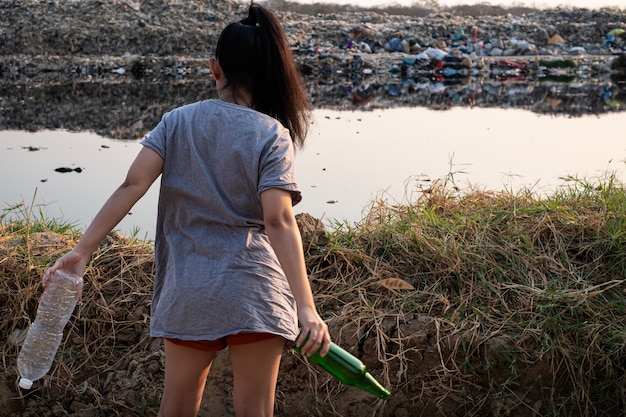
<point x="255" y="55"/>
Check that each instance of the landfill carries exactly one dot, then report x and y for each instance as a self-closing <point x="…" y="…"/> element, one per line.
<point x="155" y="54"/>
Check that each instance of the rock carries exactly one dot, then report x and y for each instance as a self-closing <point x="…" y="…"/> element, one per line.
<point x="510" y="52"/>
<point x="312" y="230"/>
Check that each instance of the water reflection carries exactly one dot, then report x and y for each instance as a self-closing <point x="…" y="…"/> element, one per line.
<point x="125" y="105"/>
<point x="571" y="87"/>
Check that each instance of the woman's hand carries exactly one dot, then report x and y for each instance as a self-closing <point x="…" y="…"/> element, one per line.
<point x="314" y="334"/>
<point x="72" y="262"/>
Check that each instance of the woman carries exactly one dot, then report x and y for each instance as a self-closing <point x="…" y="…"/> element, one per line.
<point x="230" y="268"/>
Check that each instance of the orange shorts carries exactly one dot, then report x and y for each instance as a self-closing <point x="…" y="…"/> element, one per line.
<point x="220" y="344"/>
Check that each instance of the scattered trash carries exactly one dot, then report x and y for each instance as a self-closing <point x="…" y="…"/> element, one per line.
<point x="65" y="169"/>
<point x="556" y="40"/>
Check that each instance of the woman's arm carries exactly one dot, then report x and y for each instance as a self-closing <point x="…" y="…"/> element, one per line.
<point x="144" y="170"/>
<point x="284" y="235"/>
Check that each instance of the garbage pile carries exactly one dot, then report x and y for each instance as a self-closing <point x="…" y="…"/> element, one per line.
<point x="68" y="29"/>
<point x="544" y="32"/>
<point x="381" y="56"/>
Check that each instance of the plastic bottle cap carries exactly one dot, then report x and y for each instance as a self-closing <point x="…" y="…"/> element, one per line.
<point x="25" y="383"/>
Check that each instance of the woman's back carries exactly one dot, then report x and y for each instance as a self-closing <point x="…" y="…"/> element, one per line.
<point x="218" y="158"/>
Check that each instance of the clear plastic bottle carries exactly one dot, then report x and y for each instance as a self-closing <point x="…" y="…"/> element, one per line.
<point x="44" y="336"/>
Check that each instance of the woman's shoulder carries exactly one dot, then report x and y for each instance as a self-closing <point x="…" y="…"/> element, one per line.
<point x="203" y="104"/>
<point x="191" y="110"/>
<point x="215" y="109"/>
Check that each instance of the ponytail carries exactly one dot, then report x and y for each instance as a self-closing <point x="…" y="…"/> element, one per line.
<point x="255" y="56"/>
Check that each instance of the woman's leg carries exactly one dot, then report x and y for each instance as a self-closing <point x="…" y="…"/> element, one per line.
<point x="186" y="370"/>
<point x="255" y="371"/>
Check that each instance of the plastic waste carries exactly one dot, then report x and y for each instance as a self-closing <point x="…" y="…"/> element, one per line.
<point x="44" y="336"/>
<point x="365" y="47"/>
<point x="396" y="45"/>
<point x="393" y="89"/>
<point x="449" y="72"/>
<point x="435" y="53"/>
<point x="349" y="370"/>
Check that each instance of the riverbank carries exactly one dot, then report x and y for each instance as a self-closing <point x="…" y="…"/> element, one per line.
<point x="482" y="304"/>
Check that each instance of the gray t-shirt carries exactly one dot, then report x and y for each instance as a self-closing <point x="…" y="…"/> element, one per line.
<point x="216" y="272"/>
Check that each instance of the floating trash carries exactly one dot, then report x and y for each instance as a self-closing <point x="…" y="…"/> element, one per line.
<point x="64" y="170"/>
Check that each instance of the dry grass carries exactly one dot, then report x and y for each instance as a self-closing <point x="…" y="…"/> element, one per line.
<point x="517" y="308"/>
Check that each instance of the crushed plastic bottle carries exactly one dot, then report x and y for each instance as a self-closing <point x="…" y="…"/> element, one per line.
<point x="44" y="336"/>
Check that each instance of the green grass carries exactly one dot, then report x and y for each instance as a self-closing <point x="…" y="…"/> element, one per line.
<point x="22" y="219"/>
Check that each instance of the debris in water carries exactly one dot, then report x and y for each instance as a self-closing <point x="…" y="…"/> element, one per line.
<point x="63" y="170"/>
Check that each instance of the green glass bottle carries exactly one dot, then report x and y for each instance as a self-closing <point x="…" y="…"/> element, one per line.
<point x="349" y="370"/>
